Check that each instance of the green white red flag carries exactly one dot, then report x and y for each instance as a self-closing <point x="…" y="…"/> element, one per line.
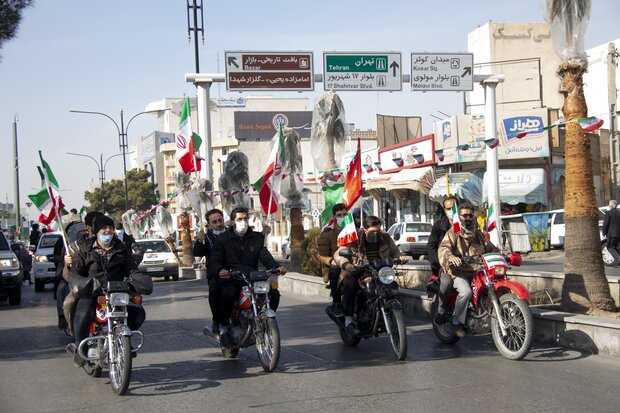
<point x="187" y="144"/>
<point x="47" y="200"/>
<point x="353" y="182"/>
<point x="456" y="221"/>
<point x="268" y="185"/>
<point x="491" y="223"/>
<point x="590" y="124"/>
<point x="348" y="235"/>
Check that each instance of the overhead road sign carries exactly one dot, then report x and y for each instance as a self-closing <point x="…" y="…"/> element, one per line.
<point x="442" y="72"/>
<point x="362" y="71"/>
<point x="269" y="71"/>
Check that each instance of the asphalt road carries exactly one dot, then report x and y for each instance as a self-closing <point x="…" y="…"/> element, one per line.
<point x="181" y="370"/>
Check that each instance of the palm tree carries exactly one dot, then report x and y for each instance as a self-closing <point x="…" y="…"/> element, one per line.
<point x="292" y="165"/>
<point x="585" y="284"/>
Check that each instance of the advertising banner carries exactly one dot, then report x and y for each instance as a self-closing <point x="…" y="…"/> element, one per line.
<point x="262" y="126"/>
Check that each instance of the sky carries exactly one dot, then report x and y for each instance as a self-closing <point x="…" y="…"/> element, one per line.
<point x="106" y="55"/>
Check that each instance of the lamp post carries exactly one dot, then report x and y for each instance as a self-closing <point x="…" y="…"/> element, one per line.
<point x="101" y="167"/>
<point x="122" y="140"/>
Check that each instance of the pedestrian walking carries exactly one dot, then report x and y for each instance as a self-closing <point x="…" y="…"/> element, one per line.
<point x="611" y="230"/>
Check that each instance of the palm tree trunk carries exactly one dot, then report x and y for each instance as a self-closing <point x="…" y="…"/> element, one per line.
<point x="186" y="238"/>
<point x="297" y="238"/>
<point x="585" y="284"/>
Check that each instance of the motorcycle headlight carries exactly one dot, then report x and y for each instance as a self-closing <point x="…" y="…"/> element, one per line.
<point x="119" y="299"/>
<point x="387" y="275"/>
<point x="500" y="270"/>
<point x="261" y="287"/>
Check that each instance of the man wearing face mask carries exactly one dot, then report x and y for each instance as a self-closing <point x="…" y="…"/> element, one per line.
<point x="202" y="248"/>
<point x="327" y="247"/>
<point x="439" y="230"/>
<point x="106" y="258"/>
<point x="373" y="243"/>
<point x="469" y="241"/>
<point x="240" y="249"/>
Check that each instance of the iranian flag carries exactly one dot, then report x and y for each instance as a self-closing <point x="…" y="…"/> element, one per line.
<point x="353" y="182"/>
<point x="590" y="124"/>
<point x="47" y="200"/>
<point x="187" y="142"/>
<point x="456" y="221"/>
<point x="333" y="196"/>
<point x="491" y="224"/>
<point x="268" y="185"/>
<point x="348" y="235"/>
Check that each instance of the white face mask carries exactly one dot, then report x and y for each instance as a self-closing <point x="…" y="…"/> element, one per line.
<point x="219" y="232"/>
<point x="339" y="221"/>
<point x="241" y="227"/>
<point x="119" y="233"/>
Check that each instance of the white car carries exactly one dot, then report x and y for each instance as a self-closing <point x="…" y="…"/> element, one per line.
<point x="158" y="259"/>
<point x="11" y="274"/>
<point x="43" y="266"/>
<point x="411" y="237"/>
<point x="557" y="228"/>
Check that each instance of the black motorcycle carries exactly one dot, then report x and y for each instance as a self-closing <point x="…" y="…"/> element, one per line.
<point x="376" y="309"/>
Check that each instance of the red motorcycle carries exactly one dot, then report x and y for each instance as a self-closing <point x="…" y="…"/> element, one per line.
<point x="497" y="304"/>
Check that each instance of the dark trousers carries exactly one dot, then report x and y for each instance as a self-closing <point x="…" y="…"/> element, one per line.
<point x="85" y="315"/>
<point x="350" y="287"/>
<point x="230" y="294"/>
<point x="334" y="276"/>
<point x="215" y="299"/>
<point x="61" y="293"/>
<point x="612" y="247"/>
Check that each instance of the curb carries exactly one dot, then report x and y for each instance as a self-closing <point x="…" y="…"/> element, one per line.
<point x="596" y="335"/>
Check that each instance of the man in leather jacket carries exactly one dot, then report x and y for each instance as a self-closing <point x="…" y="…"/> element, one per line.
<point x="105" y="258"/>
<point x="439" y="230"/>
<point x="327" y="247"/>
<point x="239" y="249"/>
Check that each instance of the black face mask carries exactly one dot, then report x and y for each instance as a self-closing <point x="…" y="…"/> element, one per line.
<point x="372" y="237"/>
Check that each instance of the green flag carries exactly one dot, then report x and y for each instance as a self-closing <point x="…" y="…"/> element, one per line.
<point x="333" y="196"/>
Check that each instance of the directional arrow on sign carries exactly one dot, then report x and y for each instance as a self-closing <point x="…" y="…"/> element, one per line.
<point x="394" y="66"/>
<point x="232" y="61"/>
<point x="466" y="72"/>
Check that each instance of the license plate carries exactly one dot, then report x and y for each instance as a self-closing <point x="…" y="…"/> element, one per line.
<point x="154" y="269"/>
<point x="423" y="239"/>
<point x="117" y="314"/>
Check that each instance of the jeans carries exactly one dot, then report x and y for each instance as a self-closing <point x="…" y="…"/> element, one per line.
<point x="461" y="285"/>
<point x="334" y="276"/>
<point x="85" y="315"/>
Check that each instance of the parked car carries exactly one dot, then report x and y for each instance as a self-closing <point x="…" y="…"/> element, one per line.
<point x="158" y="260"/>
<point x="11" y="275"/>
<point x="411" y="237"/>
<point x="43" y="266"/>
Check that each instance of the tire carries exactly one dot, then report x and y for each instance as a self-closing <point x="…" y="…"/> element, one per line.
<point x="444" y="332"/>
<point x="15" y="296"/>
<point x="349" y="340"/>
<point x="608" y="259"/>
<point x="520" y="328"/>
<point x="120" y="364"/>
<point x="175" y="277"/>
<point x="398" y="338"/>
<point x="38" y="285"/>
<point x="268" y="344"/>
<point x="92" y="369"/>
<point x="230" y="353"/>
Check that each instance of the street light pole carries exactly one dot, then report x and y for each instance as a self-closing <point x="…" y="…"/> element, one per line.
<point x="16" y="174"/>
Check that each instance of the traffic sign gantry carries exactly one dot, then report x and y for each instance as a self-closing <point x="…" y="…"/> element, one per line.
<point x="442" y="72"/>
<point x="362" y="71"/>
<point x="269" y="71"/>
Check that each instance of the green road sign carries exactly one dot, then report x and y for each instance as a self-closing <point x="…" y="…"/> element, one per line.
<point x="362" y="71"/>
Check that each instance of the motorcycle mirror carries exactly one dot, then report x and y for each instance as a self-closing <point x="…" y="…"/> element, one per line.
<point x="346" y="252"/>
<point x="389" y="261"/>
<point x="515" y="259"/>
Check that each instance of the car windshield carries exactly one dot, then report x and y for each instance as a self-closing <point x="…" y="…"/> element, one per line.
<point x="4" y="245"/>
<point x="418" y="227"/>
<point x="48" y="241"/>
<point x="154" y="246"/>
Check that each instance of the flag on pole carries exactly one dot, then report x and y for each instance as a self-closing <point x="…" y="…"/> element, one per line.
<point x="353" y="182"/>
<point x="268" y="185"/>
<point x="186" y="142"/>
<point x="348" y="234"/>
<point x="491" y="224"/>
<point x="333" y="196"/>
<point x="47" y="200"/>
<point x="456" y="221"/>
<point x="590" y="124"/>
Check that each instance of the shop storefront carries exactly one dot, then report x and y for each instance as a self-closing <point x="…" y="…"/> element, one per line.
<point x="466" y="186"/>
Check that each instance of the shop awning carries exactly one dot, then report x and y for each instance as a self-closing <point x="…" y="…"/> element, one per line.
<point x="521" y="185"/>
<point x="464" y="185"/>
<point x="416" y="179"/>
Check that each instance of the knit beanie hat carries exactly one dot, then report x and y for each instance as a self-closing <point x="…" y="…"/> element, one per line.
<point x="102" y="221"/>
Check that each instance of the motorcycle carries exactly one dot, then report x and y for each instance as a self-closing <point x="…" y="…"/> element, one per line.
<point x="497" y="305"/>
<point x="376" y="309"/>
<point x="109" y="343"/>
<point x="253" y="322"/>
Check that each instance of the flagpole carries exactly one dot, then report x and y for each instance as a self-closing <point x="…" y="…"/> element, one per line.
<point x="57" y="217"/>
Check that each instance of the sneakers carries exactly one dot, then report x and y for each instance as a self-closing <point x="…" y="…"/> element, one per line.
<point x="215" y="328"/>
<point x="353" y="330"/>
<point x="440" y="318"/>
<point x="337" y="309"/>
<point x="459" y="330"/>
<point x="226" y="340"/>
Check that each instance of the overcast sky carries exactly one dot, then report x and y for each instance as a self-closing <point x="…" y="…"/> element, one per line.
<point x="107" y="55"/>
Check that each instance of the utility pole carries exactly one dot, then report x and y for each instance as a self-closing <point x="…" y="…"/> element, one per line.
<point x="16" y="174"/>
<point x="194" y="7"/>
<point x="612" y="64"/>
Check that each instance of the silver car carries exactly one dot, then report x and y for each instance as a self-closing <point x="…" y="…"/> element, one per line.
<point x="411" y="237"/>
<point x="158" y="260"/>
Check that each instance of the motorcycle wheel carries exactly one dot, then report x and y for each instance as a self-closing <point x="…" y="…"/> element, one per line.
<point x="268" y="344"/>
<point x="519" y="325"/>
<point x="120" y="364"/>
<point x="444" y="332"/>
<point x="398" y="338"/>
<point x="348" y="339"/>
<point x="92" y="369"/>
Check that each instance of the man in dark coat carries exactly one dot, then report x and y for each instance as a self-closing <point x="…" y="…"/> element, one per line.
<point x="438" y="232"/>
<point x="239" y="249"/>
<point x="611" y="229"/>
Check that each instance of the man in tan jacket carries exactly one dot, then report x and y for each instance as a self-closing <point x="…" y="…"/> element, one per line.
<point x="327" y="246"/>
<point x="468" y="242"/>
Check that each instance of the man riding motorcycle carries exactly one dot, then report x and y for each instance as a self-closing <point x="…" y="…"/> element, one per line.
<point x="327" y="247"/>
<point x="239" y="250"/>
<point x="469" y="241"/>
<point x="107" y="259"/>
<point x="372" y="243"/>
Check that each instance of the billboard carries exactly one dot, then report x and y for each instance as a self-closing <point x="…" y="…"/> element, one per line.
<point x="262" y="126"/>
